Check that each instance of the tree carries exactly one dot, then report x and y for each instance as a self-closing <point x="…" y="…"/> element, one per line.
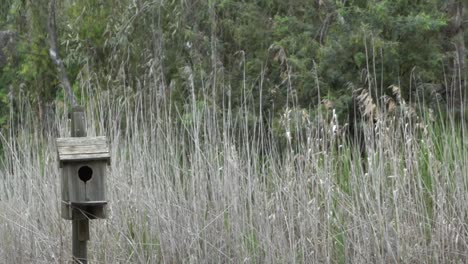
<point x="262" y="51"/>
<point x="54" y="53"/>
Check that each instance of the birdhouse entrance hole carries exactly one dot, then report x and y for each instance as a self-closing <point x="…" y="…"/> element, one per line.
<point x="85" y="173"/>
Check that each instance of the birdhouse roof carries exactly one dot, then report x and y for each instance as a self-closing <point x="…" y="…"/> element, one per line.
<point x="75" y="149"/>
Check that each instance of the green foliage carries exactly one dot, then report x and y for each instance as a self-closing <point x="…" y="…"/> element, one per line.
<point x="28" y="74"/>
<point x="275" y="54"/>
<point x="386" y="35"/>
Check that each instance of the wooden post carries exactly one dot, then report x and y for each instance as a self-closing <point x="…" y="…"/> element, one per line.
<point x="80" y="228"/>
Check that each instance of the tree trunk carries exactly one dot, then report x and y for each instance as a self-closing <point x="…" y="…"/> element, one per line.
<point x="455" y="49"/>
<point x="54" y="54"/>
<point x="327" y="9"/>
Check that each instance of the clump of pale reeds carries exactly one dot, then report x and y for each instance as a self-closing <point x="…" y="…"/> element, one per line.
<point x="206" y="184"/>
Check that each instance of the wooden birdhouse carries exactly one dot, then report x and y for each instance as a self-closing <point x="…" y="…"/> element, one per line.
<point x="83" y="163"/>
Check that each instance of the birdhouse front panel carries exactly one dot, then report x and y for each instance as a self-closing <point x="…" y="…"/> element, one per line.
<point x="86" y="181"/>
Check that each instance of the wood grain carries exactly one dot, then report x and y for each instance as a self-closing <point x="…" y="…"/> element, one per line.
<point x="82" y="149"/>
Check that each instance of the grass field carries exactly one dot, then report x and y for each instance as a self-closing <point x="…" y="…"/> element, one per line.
<point x="209" y="184"/>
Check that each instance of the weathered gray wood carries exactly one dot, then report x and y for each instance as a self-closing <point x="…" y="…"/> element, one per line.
<point x="89" y="203"/>
<point x="82" y="149"/>
<point x="83" y="162"/>
<point x="92" y="144"/>
<point x="93" y="190"/>
<point x="83" y="230"/>
<point x="80" y="228"/>
<point x="80" y="235"/>
<point x="84" y="157"/>
<point x="84" y="141"/>
<point x="78" y="122"/>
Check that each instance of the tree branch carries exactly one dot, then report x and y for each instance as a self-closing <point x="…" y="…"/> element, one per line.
<point x="54" y="55"/>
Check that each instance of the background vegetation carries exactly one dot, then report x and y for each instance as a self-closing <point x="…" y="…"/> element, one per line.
<point x="309" y="49"/>
<point x="241" y="131"/>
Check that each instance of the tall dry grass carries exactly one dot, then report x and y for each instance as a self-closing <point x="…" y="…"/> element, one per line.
<point x="210" y="184"/>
